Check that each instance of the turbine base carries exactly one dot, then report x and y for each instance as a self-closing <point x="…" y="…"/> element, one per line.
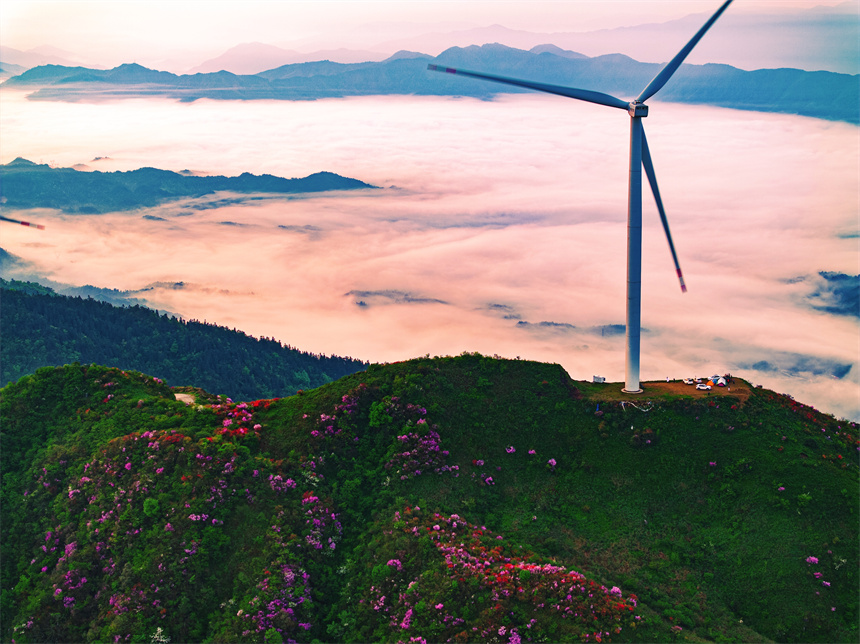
<point x="633" y="391"/>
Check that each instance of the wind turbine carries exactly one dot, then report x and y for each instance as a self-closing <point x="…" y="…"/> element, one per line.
<point x="639" y="157"/>
<point x="23" y="223"/>
<point x="18" y="221"/>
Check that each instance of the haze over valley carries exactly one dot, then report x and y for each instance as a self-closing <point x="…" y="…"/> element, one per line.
<point x="498" y="220"/>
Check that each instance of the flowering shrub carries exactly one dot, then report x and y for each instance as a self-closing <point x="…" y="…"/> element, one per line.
<point x="417" y="448"/>
<point x="281" y="601"/>
<point x="319" y="517"/>
<point x="489" y="590"/>
<point x="199" y="486"/>
<point x="416" y="453"/>
<point x="237" y="420"/>
<point x="341" y="422"/>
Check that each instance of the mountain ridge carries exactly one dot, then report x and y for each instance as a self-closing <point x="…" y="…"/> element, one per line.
<point x="30" y="185"/>
<point x="825" y="95"/>
<point x="253" y="58"/>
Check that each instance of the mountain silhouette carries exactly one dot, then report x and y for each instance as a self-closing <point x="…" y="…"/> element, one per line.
<point x="825" y="95"/>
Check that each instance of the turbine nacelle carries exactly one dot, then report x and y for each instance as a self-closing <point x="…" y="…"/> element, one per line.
<point x="635" y="108"/>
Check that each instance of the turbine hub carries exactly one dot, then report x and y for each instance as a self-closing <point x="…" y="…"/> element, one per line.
<point x="635" y="108"/>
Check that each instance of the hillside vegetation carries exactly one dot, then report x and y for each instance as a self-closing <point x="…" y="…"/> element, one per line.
<point x="448" y="499"/>
<point x="42" y="328"/>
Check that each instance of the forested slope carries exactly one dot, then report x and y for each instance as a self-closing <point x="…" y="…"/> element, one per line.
<point x="42" y="329"/>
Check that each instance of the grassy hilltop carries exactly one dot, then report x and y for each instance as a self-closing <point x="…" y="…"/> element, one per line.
<point x="448" y="499"/>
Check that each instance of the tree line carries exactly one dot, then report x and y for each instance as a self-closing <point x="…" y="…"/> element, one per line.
<point x="41" y="328"/>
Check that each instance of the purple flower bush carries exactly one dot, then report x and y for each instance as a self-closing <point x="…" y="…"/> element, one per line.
<point x="340" y="423"/>
<point x="416" y="453"/>
<point x="280" y="601"/>
<point x="417" y="446"/>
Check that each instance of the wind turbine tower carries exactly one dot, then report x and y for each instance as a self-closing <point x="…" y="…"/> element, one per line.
<point x="640" y="158"/>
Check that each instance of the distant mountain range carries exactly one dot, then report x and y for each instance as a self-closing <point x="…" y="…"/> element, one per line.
<point x="25" y="184"/>
<point x="8" y="70"/>
<point x="826" y="38"/>
<point x="252" y="58"/>
<point x="15" y="61"/>
<point x="825" y="95"/>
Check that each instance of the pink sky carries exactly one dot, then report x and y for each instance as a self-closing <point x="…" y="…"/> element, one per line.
<point x="168" y="34"/>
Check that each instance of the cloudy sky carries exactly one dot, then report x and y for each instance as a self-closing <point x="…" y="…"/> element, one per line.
<point x="500" y="225"/>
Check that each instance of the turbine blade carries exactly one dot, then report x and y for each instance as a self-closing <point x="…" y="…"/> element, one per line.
<point x="23" y="223"/>
<point x="570" y="92"/>
<point x="652" y="179"/>
<point x="666" y="73"/>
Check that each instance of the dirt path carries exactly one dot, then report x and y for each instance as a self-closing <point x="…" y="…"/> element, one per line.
<point x="188" y="399"/>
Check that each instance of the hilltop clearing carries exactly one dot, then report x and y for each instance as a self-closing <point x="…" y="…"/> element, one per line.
<point x="740" y="390"/>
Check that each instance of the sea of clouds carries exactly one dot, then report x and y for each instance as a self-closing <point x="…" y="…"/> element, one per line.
<point x="498" y="226"/>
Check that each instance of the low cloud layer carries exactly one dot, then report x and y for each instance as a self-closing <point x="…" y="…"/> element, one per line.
<point x="500" y="228"/>
<point x="372" y="298"/>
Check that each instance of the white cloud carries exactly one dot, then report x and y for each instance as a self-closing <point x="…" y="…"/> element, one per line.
<point x="518" y="202"/>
